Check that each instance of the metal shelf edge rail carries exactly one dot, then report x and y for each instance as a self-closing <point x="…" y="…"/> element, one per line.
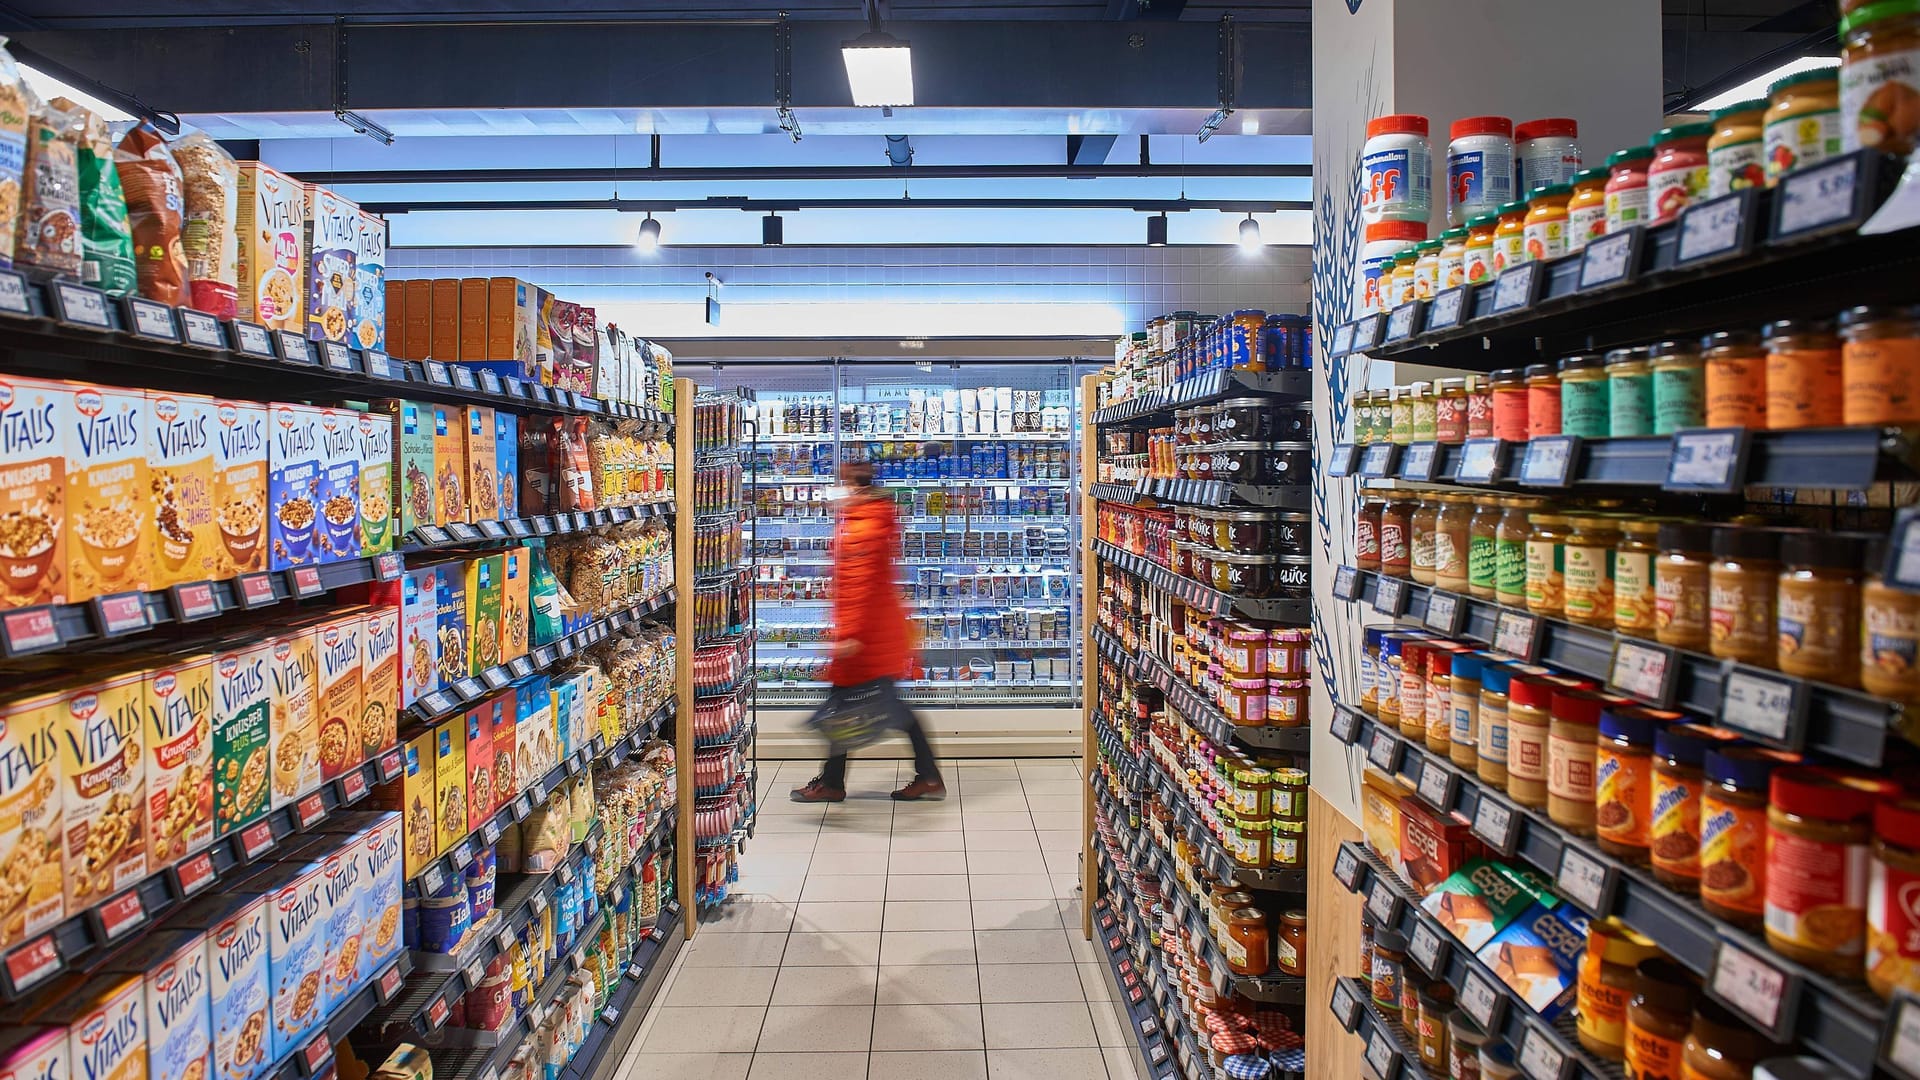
<point x="1207" y="493"/>
<point x="1839" y="1021"/>
<point x="1390" y="1051"/>
<point x="1291" y="383"/>
<point x="1833" y="720"/>
<point x="1204" y="597"/>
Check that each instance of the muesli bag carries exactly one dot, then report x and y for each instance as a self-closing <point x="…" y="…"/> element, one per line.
<point x="151" y="179"/>
<point x="15" y="107"/>
<point x="106" y="240"/>
<point x="49" y="235"/>
<point x="210" y="179"/>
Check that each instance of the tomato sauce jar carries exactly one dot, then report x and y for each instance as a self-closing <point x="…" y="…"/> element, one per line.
<point x="1678" y="174"/>
<point x="1626" y="190"/>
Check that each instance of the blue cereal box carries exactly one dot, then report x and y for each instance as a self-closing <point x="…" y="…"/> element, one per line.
<point x="506" y="452"/>
<point x="297" y="918"/>
<point x="339" y="484"/>
<point x="293" y="485"/>
<point x="178" y="991"/>
<point x="235" y="923"/>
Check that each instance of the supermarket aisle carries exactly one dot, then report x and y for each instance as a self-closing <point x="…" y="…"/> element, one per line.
<point x="924" y="941"/>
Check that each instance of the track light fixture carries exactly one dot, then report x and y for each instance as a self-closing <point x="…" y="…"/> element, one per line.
<point x="773" y="230"/>
<point x="1250" y="235"/>
<point x="648" y="239"/>
<point x="1157" y="231"/>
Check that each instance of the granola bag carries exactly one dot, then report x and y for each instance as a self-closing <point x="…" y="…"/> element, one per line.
<point x="106" y="242"/>
<point x="211" y="180"/>
<point x="15" y="107"/>
<point x="50" y="228"/>
<point x="151" y="178"/>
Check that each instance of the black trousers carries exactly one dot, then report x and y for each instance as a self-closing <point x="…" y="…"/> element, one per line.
<point x="834" y="773"/>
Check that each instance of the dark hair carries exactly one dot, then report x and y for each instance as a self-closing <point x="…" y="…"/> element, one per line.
<point x="859" y="473"/>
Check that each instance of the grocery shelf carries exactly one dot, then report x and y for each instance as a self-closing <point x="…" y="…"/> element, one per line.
<point x="1757" y="264"/>
<point x="1494" y="1006"/>
<point x="1839" y="1020"/>
<point x="1204" y="597"/>
<point x="972" y="481"/>
<point x="1144" y="666"/>
<point x="826" y="559"/>
<point x="917" y="437"/>
<point x="1834" y="720"/>
<point x="1212" y="386"/>
<point x="1391" y="1051"/>
<point x="83" y="935"/>
<point x="1149" y="1031"/>
<point x="1218" y="861"/>
<point x="316" y="1056"/>
<point x="65" y="329"/>
<point x="602" y="1052"/>
<point x="428" y="537"/>
<point x="956" y="518"/>
<point x="439" y="704"/>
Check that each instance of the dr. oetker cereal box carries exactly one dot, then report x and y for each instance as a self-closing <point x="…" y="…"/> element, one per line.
<point x="294" y="477"/>
<point x="379" y="677"/>
<point x="34" y="1053"/>
<point x="180" y="746"/>
<point x="235" y="923"/>
<point x="239" y="488"/>
<point x="105" y="775"/>
<point x="35" y="419"/>
<point x="32" y="826"/>
<point x="242" y="724"/>
<point x="273" y="248"/>
<point x="180" y="457"/>
<point x="297" y="914"/>
<point x="179" y="1017"/>
<point x="109" y="519"/>
<point x="106" y="1022"/>
<point x="339" y="484"/>
<point x="294" y="671"/>
<point x="372" y="837"/>
<point x="376" y="482"/>
<point x="370" y="274"/>
<point x="340" y="650"/>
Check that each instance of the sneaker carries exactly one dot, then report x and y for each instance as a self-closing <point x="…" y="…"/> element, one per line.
<point x="922" y="789"/>
<point x="818" y="791"/>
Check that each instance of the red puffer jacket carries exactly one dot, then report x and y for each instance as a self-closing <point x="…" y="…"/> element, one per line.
<point x="867" y="607"/>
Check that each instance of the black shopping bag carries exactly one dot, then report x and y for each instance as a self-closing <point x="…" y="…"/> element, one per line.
<point x="856" y="716"/>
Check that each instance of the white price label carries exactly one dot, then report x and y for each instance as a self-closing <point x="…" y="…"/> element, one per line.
<point x="1346" y="726"/>
<point x="1549" y="461"/>
<point x="1643" y="669"/>
<point x="1753" y="987"/>
<point x="1513" y="290"/>
<point x="336" y="356"/>
<point x="1437" y="785"/>
<point x="1585" y="880"/>
<point x="1539" y="1058"/>
<point x="253" y="339"/>
<point x="1383" y="903"/>
<point x="1382" y="1058"/>
<point x="1444" y="612"/>
<point x="1607" y="260"/>
<point x="82" y="306"/>
<point x="1418" y="461"/>
<point x="1479" y="1000"/>
<point x="152" y="320"/>
<point x="1428" y="949"/>
<point x="1390" y="596"/>
<point x="1903" y="567"/>
<point x="1383" y="752"/>
<point x="1707" y="460"/>
<point x="1760" y="704"/>
<point x="1346" y="583"/>
<point x="1400" y="322"/>
<point x="1366" y="333"/>
<point x="295" y="348"/>
<point x="201" y="329"/>
<point x="1515" y="633"/>
<point x="1816" y="198"/>
<point x="1375" y="460"/>
<point x="1712" y="230"/>
<point x="1342" y="339"/>
<point x="1495" y="823"/>
<point x="1900" y="1036"/>
<point x="13" y="294"/>
<point x="1479" y="461"/>
<point x="1444" y="314"/>
<point x="1346" y="868"/>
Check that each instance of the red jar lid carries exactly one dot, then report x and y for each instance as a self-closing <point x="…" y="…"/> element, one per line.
<point x="1578" y="706"/>
<point x="1397" y="230"/>
<point x="1813" y="792"/>
<point x="1481" y="125"/>
<point x="1898" y="822"/>
<point x="1397" y="124"/>
<point x="1553" y="125"/>
<point x="1530" y="690"/>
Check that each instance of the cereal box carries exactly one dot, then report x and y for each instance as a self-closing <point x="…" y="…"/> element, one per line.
<point x="483" y="594"/>
<point x="345" y="949"/>
<point x="483" y="489"/>
<point x="450" y="617"/>
<point x="375" y="444"/>
<point x="273" y="250"/>
<point x="516" y="574"/>
<point x="179" y="1017"/>
<point x="32" y="835"/>
<point x="418" y="340"/>
<point x="413" y="478"/>
<point x="370" y="276"/>
<point x="340" y="484"/>
<point x="450" y="463"/>
<point x="243" y="708"/>
<point x="394" y="297"/>
<point x="473" y="319"/>
<point x="106" y="1022"/>
<point x="450" y="783"/>
<point x="379" y="677"/>
<point x="444" y="343"/>
<point x="104" y="799"/>
<point x="180" y="455"/>
<point x="297" y="915"/>
<point x="108" y="511"/>
<point x="34" y="1053"/>
<point x="543" y="336"/>
<point x="480" y="805"/>
<point x="333" y="248"/>
<point x="179" y="737"/>
<point x="36" y="417"/>
<point x="506" y="461"/>
<point x="419" y="634"/>
<point x="506" y="727"/>
<point x="339" y="648"/>
<point x="563" y="714"/>
<point x="534" y="734"/>
<point x="372" y="838"/>
<point x="239" y="487"/>
<point x="294" y="478"/>
<point x="294" y="672"/>
<point x="235" y="923"/>
<point x="418" y="790"/>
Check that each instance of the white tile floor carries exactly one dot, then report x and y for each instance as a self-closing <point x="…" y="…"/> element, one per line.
<point x="913" y="941"/>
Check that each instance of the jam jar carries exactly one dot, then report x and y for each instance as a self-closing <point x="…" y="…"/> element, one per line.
<point x="1292" y="530"/>
<point x="1292" y="577"/>
<point x="1251" y="576"/>
<point x="1244" y="532"/>
<point x="1199" y="527"/>
<point x="1247" y="419"/>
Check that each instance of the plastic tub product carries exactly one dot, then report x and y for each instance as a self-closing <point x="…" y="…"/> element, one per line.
<point x="1736" y="152"/>
<point x="1479" y="247"/>
<point x="1819" y="606"/>
<point x="1880" y="77"/>
<point x="1479" y="166"/>
<point x="1742" y="584"/>
<point x="1396" y="170"/>
<point x="1543" y="400"/>
<point x="1803" y="121"/>
<point x="1679" y="387"/>
<point x="1450" y="267"/>
<point x="1880" y="365"/>
<point x="1677" y="176"/>
<point x="1587" y="209"/>
<point x="1584" y="406"/>
<point x="1627" y="187"/>
<point x="1510" y="235"/>
<point x="1629" y="392"/>
<point x="1545" y="226"/>
<point x="1546" y="152"/>
<point x="1385" y="240"/>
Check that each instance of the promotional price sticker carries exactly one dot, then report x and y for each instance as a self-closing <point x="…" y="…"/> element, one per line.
<point x="316" y="1054"/>
<point x="256" y="590"/>
<point x="1517" y="288"/>
<point x="1810" y="202"/>
<point x="120" y="916"/>
<point x="121" y="613"/>
<point x="1752" y="986"/>
<point x="1383" y="752"/>
<point x="1768" y="705"/>
<point x="389" y="765"/>
<point x="1585" y="880"/>
<point x="1644" y="670"/>
<point x="388" y="984"/>
<point x="1610" y="260"/>
<point x="388" y="566"/>
<point x="437" y="1013"/>
<point x="1539" y="1058"/>
<point x="1549" y="461"/>
<point x="252" y="339"/>
<point x="1390" y="596"/>
<point x="193" y="601"/>
<point x="1444" y="613"/>
<point x="191" y="875"/>
<point x="201" y="330"/>
<point x="1445" y="310"/>
<point x="13" y="294"/>
<point x="256" y="840"/>
<point x="1346" y="583"/>
<point x="1479" y="1000"/>
<point x="353" y="787"/>
<point x="1716" y="229"/>
<point x="151" y="320"/>
<point x="1346" y="1004"/>
<point x="81" y="306"/>
<point x="33" y="963"/>
<point x="1710" y="459"/>
<point x="309" y="810"/>
<point x="1496" y="824"/>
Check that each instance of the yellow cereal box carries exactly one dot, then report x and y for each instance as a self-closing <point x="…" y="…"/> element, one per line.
<point x="450" y="783"/>
<point x="239" y="487"/>
<point x="333" y="248"/>
<point x="339" y="648"/>
<point x="36" y="419"/>
<point x="179" y="736"/>
<point x="483" y="491"/>
<point x="106" y="1022"/>
<point x="376" y="482"/>
<point x="109" y="515"/>
<point x="272" y="224"/>
<point x="294" y="666"/>
<point x="413" y="796"/>
<point x="105" y="771"/>
<point x="515" y="615"/>
<point x="379" y="677"/>
<point x="449" y="463"/>
<point x="32" y="844"/>
<point x="181" y="451"/>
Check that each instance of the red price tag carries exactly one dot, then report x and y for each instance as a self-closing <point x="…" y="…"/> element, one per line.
<point x="353" y="787"/>
<point x="121" y="915"/>
<point x="310" y="809"/>
<point x="388" y="984"/>
<point x="192" y="874"/>
<point x="256" y="590"/>
<point x="121" y="613"/>
<point x="256" y="840"/>
<point x="306" y="581"/>
<point x="437" y="1013"/>
<point x="33" y="963"/>
<point x="195" y="601"/>
<point x="316" y="1053"/>
<point x="387" y="567"/>
<point x="30" y="630"/>
<point x="389" y="765"/>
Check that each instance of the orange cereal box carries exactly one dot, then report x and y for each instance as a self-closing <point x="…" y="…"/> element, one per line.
<point x="179" y="737"/>
<point x="36" y="419"/>
<point x="105" y="770"/>
<point x="483" y="491"/>
<point x="239" y="487"/>
<point x="339" y="648"/>
<point x="109" y="513"/>
<point x="294" y="670"/>
<point x="272" y="224"/>
<point x="473" y="320"/>
<point x="515" y="614"/>
<point x="31" y="822"/>
<point x="379" y="678"/>
<point x="180" y="453"/>
<point x="449" y="463"/>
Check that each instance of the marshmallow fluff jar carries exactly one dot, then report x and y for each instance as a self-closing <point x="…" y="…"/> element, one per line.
<point x="1396" y="170"/>
<point x="1479" y="167"/>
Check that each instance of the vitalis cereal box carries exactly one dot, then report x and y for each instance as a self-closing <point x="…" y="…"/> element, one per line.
<point x="339" y="484"/>
<point x="379" y="677"/>
<point x="479" y="760"/>
<point x="333" y="246"/>
<point x="109" y="520"/>
<point x="105" y="774"/>
<point x="449" y="463"/>
<point x="450" y="783"/>
<point x="370" y="276"/>
<point x="34" y="1053"/>
<point x="181" y="431"/>
<point x="293" y="669"/>
<point x="516" y="573"/>
<point x="179" y="1019"/>
<point x="376" y="482"/>
<point x="242" y="719"/>
<point x="483" y="488"/>
<point x="419" y="634"/>
<point x="235" y="924"/>
<point x="343" y="945"/>
<point x="506" y="461"/>
<point x="32" y="836"/>
<point x="296" y="951"/>
<point x="372" y="838"/>
<point x="294" y="479"/>
<point x="106" y="1022"/>
<point x="239" y="488"/>
<point x="179" y="745"/>
<point x="272" y="227"/>
<point x="339" y="648"/>
<point x="36" y="417"/>
<point x="413" y="475"/>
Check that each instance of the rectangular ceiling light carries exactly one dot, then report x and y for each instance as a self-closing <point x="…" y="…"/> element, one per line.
<point x="1757" y="87"/>
<point x="48" y="88"/>
<point x="879" y="69"/>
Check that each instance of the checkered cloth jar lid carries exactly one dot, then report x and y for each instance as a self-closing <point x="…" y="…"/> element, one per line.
<point x="1248" y="1067"/>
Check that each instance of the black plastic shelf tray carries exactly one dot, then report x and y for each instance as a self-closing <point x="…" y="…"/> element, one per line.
<point x="519" y="528"/>
<point x="1209" y="387"/>
<point x="1149" y="1026"/>
<point x="600" y="1053"/>
<point x="1208" y="493"/>
<point x="1204" y="597"/>
<point x="1390" y="1052"/>
<point x="1841" y="1021"/>
<point x="1844" y="723"/>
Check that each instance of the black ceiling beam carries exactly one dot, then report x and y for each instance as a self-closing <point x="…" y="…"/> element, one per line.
<point x="728" y="174"/>
<point x="1144" y="9"/>
<point x="626" y="64"/>
<point x="788" y="206"/>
